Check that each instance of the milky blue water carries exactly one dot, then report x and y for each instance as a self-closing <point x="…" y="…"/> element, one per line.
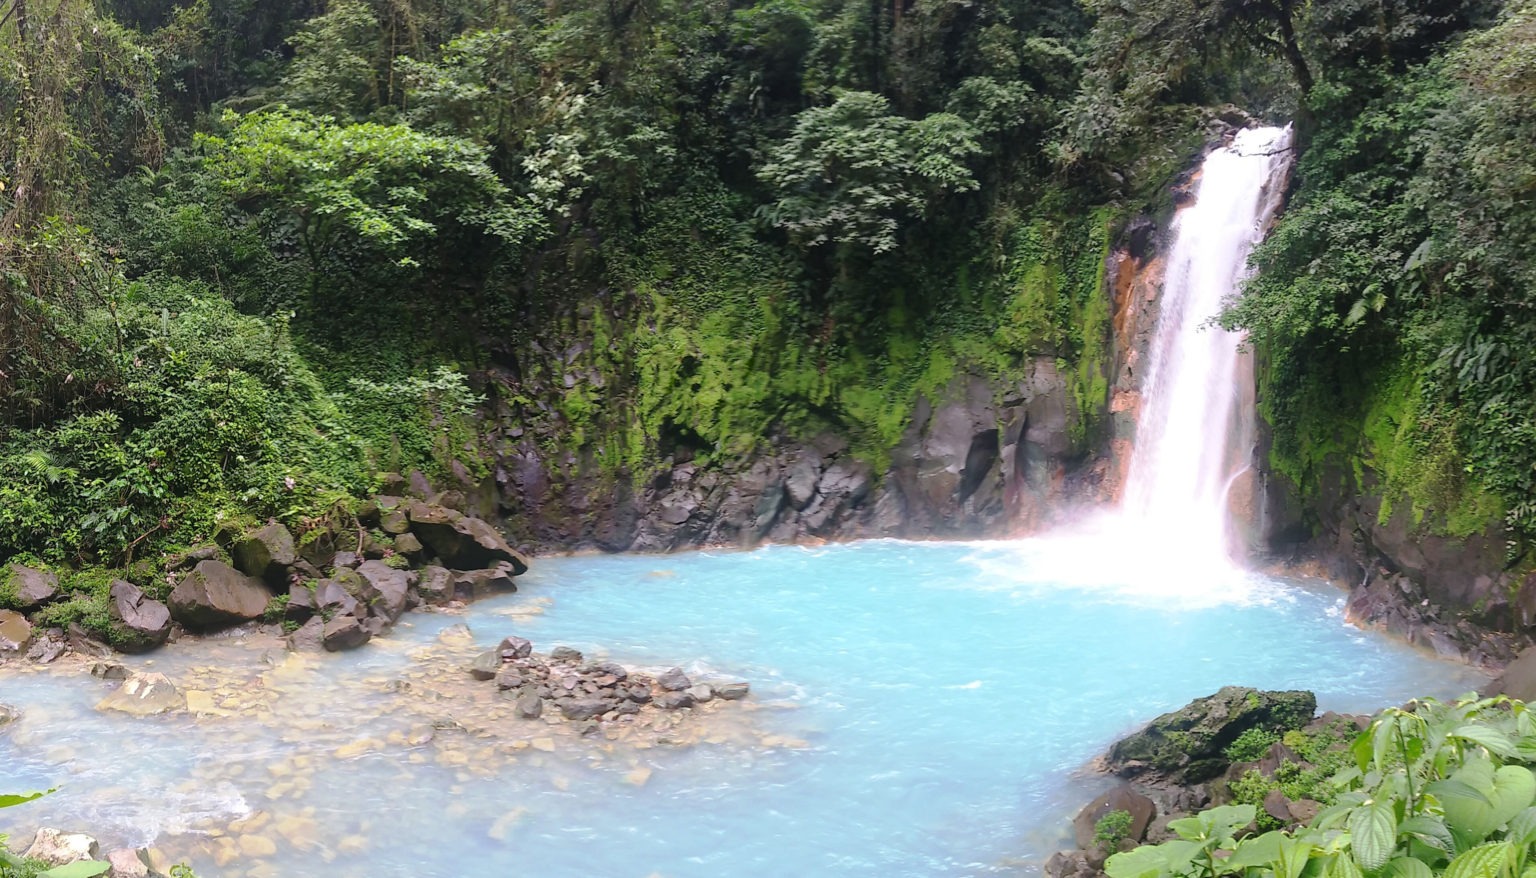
<point x="946" y="697"/>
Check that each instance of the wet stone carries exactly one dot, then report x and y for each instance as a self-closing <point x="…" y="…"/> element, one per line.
<point x="702" y="693"/>
<point x="565" y="654"/>
<point x="509" y="678"/>
<point x="515" y="647"/>
<point x="732" y="691"/>
<point x="674" y="700"/>
<point x="486" y="665"/>
<point x="674" y="680"/>
<point x="109" y="671"/>
<point x="607" y="669"/>
<point x="584" y="708"/>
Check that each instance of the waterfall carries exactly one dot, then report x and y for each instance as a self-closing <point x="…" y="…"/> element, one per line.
<point x="1194" y="434"/>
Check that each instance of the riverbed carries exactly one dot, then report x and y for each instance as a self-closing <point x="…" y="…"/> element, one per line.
<point x="917" y="709"/>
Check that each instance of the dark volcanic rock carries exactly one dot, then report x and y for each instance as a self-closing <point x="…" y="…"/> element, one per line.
<point x="139" y="623"/>
<point x="266" y="553"/>
<point x="486" y="665"/>
<point x="584" y="708"/>
<point x="344" y="632"/>
<point x="215" y="595"/>
<point x="530" y="706"/>
<point x="732" y="691"/>
<point x="674" y="680"/>
<point x="515" y="647"/>
<point x="462" y="542"/>
<point x="310" y="637"/>
<point x="436" y="585"/>
<point x="471" y="584"/>
<point x="384" y="589"/>
<point x="1186" y="746"/>
<point x="31" y="588"/>
<point x="674" y="700"/>
<point x="1122" y="798"/>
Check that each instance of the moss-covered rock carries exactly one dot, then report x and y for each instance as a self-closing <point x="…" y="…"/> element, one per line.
<point x="1186" y="746"/>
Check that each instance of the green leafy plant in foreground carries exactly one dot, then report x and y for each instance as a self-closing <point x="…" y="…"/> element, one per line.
<point x="1436" y="790"/>
<point x="12" y="866"/>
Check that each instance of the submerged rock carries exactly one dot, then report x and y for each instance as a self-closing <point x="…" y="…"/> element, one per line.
<point x="215" y="595"/>
<point x="8" y="714"/>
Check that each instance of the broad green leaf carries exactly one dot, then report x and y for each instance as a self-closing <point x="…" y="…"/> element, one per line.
<point x="1491" y="738"/>
<point x="12" y="801"/>
<point x="1261" y="850"/>
<point x="1479" y="799"/>
<point x="1343" y="866"/>
<point x="1373" y="834"/>
<point x="1406" y="867"/>
<point x="81" y="869"/>
<point x="1295" y="856"/>
<point x="1483" y="861"/>
<point x="1522" y="829"/>
<point x="1431" y="829"/>
<point x="1151" y="860"/>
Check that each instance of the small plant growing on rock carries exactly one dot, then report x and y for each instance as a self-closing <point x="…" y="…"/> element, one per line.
<point x="1111" y="829"/>
<point x="1251" y="745"/>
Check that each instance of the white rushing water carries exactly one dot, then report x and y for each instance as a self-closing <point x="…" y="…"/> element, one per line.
<point x="1192" y="438"/>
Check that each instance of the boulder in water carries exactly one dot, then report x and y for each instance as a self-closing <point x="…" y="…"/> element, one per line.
<point x="1186" y="746"/>
<point x="344" y="632"/>
<point x="144" y="694"/>
<point x="732" y="691"/>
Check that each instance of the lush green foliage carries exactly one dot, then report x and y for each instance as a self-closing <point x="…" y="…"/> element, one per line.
<point x="1392" y="303"/>
<point x="1435" y="789"/>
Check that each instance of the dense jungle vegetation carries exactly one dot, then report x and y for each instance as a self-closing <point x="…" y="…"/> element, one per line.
<point x="253" y="252"/>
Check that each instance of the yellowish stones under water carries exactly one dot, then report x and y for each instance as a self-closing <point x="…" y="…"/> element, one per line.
<point x="287" y="718"/>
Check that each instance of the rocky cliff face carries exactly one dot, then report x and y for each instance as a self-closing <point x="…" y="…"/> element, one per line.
<point x="977" y="459"/>
<point x="1451" y="595"/>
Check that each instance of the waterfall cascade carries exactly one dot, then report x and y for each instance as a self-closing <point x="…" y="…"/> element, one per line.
<point x="1193" y="439"/>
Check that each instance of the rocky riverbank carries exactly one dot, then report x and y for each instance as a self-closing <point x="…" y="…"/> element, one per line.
<point x="1241" y="745"/>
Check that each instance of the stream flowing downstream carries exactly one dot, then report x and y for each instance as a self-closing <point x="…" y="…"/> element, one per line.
<point x="918" y="709"/>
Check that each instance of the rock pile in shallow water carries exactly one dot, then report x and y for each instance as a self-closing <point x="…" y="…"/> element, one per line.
<point x="564" y="683"/>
